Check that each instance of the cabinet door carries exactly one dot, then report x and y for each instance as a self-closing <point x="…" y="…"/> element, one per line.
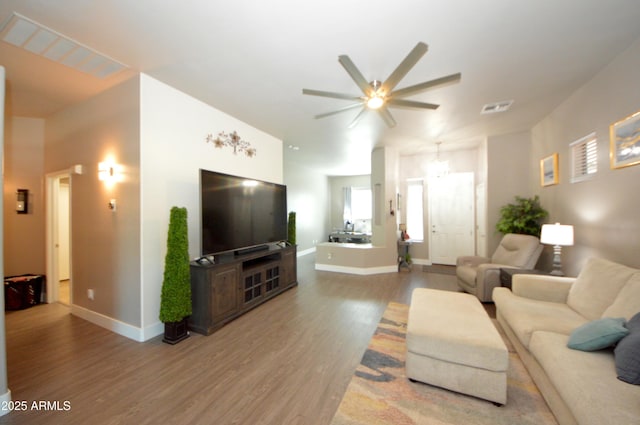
<point x="289" y="272"/>
<point x="224" y="293"/>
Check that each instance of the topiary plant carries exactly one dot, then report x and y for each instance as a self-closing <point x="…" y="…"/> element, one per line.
<point x="175" y="302"/>
<point x="291" y="228"/>
<point x="525" y="217"/>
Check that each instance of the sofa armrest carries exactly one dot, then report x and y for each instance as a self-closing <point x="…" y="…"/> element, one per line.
<point x="542" y="287"/>
<point x="472" y="260"/>
<point x="487" y="278"/>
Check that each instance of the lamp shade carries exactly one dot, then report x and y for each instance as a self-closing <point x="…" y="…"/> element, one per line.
<point x="557" y="234"/>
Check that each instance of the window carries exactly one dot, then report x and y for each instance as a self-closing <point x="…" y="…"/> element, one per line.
<point x="584" y="153"/>
<point x="356" y="215"/>
<point x="360" y="203"/>
<point x="415" y="211"/>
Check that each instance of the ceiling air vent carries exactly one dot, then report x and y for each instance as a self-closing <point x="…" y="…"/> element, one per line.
<point x="27" y="34"/>
<point x="492" y="108"/>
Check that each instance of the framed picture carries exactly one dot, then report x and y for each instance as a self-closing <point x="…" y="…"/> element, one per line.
<point x="549" y="170"/>
<point x="625" y="142"/>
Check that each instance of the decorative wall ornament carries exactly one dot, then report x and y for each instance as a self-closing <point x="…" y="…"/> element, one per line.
<point x="549" y="170"/>
<point x="625" y="142"/>
<point x="232" y="140"/>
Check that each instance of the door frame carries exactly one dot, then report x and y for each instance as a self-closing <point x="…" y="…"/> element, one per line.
<point x="52" y="253"/>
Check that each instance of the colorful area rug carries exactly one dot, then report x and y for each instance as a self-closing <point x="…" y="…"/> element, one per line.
<point x="380" y="393"/>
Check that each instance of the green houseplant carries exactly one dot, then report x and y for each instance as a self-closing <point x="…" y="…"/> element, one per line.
<point x="175" y="302"/>
<point x="524" y="216"/>
<point x="291" y="228"/>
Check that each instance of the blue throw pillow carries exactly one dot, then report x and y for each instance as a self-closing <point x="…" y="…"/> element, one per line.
<point x="598" y="334"/>
<point x="627" y="353"/>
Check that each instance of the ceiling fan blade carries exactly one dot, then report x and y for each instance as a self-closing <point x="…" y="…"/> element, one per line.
<point x="331" y="94"/>
<point x="412" y="104"/>
<point x="405" y="66"/>
<point x="337" y="111"/>
<point x="355" y="74"/>
<point x="386" y="117"/>
<point x="356" y="120"/>
<point x="449" y="79"/>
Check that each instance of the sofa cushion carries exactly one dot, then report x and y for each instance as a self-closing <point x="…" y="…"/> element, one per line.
<point x="627" y="353"/>
<point x="598" y="334"/>
<point x="526" y="316"/>
<point x="627" y="303"/>
<point x="586" y="381"/>
<point x="597" y="286"/>
<point x="521" y="251"/>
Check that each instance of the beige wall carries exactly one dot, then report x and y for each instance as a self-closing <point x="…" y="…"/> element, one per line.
<point x="157" y="134"/>
<point x="23" y="169"/>
<point x="508" y="170"/>
<point x="418" y="167"/>
<point x="604" y="210"/>
<point x="105" y="245"/>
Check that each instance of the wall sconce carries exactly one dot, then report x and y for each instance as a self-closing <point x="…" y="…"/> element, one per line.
<point x="109" y="172"/>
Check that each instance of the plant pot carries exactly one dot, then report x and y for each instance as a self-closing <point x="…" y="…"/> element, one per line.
<point x="174" y="332"/>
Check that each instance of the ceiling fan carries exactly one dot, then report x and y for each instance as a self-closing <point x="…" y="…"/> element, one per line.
<point x="380" y="95"/>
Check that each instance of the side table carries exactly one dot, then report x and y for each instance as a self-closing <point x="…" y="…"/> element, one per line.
<point x="403" y="252"/>
<point x="506" y="275"/>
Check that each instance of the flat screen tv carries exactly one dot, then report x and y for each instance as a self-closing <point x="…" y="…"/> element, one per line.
<point x="239" y="214"/>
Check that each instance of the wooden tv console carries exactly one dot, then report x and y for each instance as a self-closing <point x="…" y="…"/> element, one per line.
<point x="235" y="284"/>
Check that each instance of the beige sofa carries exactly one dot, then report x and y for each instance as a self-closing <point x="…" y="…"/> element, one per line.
<point x="539" y="316"/>
<point x="479" y="275"/>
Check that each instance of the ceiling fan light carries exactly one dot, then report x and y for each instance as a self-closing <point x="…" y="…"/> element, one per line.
<point x="375" y="102"/>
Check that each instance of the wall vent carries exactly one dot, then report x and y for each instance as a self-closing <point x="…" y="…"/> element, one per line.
<point x="36" y="38"/>
<point x="492" y="108"/>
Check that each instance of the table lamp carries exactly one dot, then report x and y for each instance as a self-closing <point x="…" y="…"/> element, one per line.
<point x="558" y="235"/>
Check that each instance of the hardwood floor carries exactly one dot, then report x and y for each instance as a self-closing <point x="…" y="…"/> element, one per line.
<point x="64" y="292"/>
<point x="288" y="361"/>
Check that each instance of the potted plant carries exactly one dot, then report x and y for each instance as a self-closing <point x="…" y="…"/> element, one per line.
<point x="175" y="302"/>
<point x="525" y="217"/>
<point x="291" y="228"/>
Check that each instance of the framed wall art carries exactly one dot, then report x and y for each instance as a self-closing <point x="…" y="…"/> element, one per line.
<point x="625" y="142"/>
<point x="549" y="170"/>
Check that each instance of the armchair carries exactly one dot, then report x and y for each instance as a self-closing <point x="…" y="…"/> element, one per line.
<point x="479" y="275"/>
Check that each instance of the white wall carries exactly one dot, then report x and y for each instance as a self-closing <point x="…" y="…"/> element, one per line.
<point x="173" y="129"/>
<point x="5" y="394"/>
<point x="308" y="194"/>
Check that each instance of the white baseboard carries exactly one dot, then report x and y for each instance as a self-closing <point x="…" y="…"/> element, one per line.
<point x="421" y="261"/>
<point x="364" y="271"/>
<point x="132" y="332"/>
<point x="4" y="400"/>
<point x="306" y="252"/>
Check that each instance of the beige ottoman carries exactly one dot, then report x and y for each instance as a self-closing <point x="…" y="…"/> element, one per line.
<point x="452" y="343"/>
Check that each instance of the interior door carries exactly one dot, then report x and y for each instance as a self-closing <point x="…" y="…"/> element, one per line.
<point x="451" y="217"/>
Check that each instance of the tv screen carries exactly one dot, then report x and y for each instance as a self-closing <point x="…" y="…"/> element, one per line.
<point x="239" y="213"/>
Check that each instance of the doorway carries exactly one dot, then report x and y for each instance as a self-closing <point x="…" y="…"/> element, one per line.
<point x="59" y="276"/>
<point x="451" y="217"/>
